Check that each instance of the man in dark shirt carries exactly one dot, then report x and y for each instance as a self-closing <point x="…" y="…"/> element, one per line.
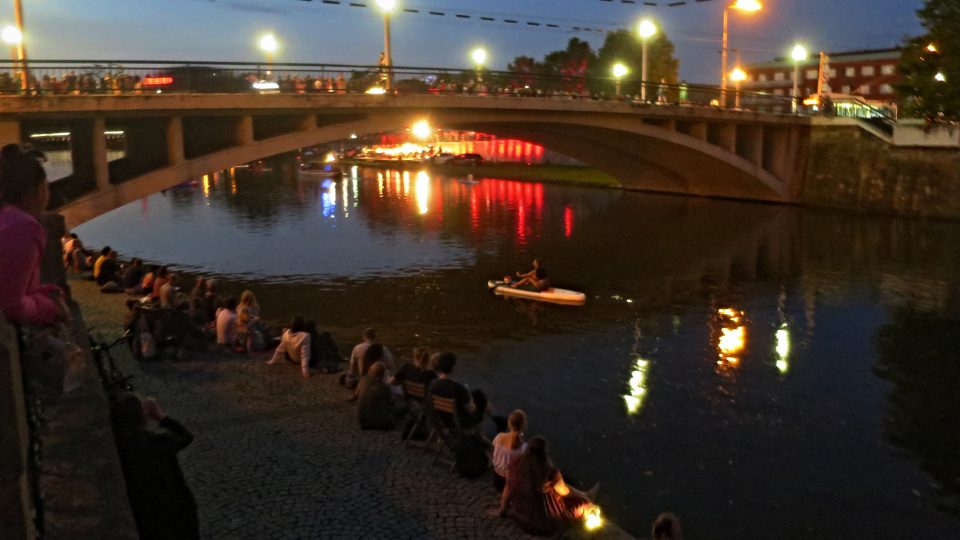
<point x="133" y="276"/>
<point x="109" y="269"/>
<point x="470" y="407"/>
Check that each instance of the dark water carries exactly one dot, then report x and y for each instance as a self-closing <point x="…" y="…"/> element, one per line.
<point x="790" y="372"/>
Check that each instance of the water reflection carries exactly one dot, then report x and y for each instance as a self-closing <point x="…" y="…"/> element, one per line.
<point x="732" y="336"/>
<point x="918" y="353"/>
<point x="782" y="348"/>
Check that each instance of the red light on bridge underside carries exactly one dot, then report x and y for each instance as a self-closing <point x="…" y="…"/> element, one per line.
<point x="157" y="81"/>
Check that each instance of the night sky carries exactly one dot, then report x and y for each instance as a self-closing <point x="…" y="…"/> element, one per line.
<point x="314" y="32"/>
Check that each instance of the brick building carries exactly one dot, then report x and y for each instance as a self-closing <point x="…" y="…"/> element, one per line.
<point x="871" y="74"/>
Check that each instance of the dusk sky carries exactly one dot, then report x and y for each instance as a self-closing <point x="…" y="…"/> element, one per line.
<point x="315" y="32"/>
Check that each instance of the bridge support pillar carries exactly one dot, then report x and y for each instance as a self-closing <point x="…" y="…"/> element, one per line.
<point x="750" y="144"/>
<point x="88" y="147"/>
<point x="9" y="132"/>
<point x="699" y="130"/>
<point x="101" y="170"/>
<point x="175" y="150"/>
<point x="776" y="144"/>
<point x="244" y="134"/>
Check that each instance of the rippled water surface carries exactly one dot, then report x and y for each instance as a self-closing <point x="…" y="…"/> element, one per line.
<point x="758" y="370"/>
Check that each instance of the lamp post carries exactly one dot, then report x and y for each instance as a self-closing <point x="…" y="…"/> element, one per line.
<point x="738" y="76"/>
<point x="268" y="44"/>
<point x="647" y="29"/>
<point x="799" y="55"/>
<point x="940" y="77"/>
<point x="479" y="56"/>
<point x="746" y="6"/>
<point x="619" y="70"/>
<point x="387" y="6"/>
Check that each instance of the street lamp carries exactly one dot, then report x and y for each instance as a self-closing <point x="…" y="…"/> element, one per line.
<point x="799" y="55"/>
<point x="479" y="56"/>
<point x="619" y="70"/>
<point x="746" y="6"/>
<point x="421" y="129"/>
<point x="647" y="29"/>
<point x="940" y="77"/>
<point x="387" y="6"/>
<point x="15" y="39"/>
<point x="738" y="75"/>
<point x="269" y="45"/>
<point x="932" y="48"/>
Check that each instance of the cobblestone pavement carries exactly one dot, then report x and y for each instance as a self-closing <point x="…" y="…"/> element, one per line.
<point x="277" y="456"/>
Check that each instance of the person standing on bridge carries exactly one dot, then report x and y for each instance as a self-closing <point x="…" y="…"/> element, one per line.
<point x="23" y="197"/>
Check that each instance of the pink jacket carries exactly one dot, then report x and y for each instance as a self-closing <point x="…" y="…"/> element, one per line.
<point x="22" y="241"/>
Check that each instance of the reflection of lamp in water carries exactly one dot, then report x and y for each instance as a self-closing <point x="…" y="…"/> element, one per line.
<point x="422" y="187"/>
<point x="591" y="518"/>
<point x="733" y="335"/>
<point x="783" y="348"/>
<point x="638" y="386"/>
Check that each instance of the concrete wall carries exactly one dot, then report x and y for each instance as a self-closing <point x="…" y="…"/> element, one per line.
<point x="850" y="168"/>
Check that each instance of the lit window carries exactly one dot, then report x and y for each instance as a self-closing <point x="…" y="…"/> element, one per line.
<point x="886" y="89"/>
<point x="833" y="72"/>
<point x="868" y="71"/>
<point x="888" y="69"/>
<point x="812" y="74"/>
<point x="762" y="77"/>
<point x="778" y="91"/>
<point x="850" y="72"/>
<point x="845" y="89"/>
<point x="864" y="89"/>
<point x="778" y="76"/>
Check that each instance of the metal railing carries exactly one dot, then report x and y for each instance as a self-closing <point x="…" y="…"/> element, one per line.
<point x="76" y="77"/>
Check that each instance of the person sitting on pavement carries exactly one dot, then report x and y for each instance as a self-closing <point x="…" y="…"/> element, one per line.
<point x="418" y="371"/>
<point x="147" y="443"/>
<point x="294" y="346"/>
<point x="375" y="408"/>
<point x="147" y="284"/>
<point x="109" y="277"/>
<point x="104" y="253"/>
<point x="250" y="330"/>
<point x="508" y="447"/>
<point x="199" y="288"/>
<point x="535" y="280"/>
<point x="24" y="194"/>
<point x="133" y="277"/>
<point x="170" y="293"/>
<point x="352" y="377"/>
<point x="211" y="300"/>
<point x="540" y="501"/>
<point x="667" y="527"/>
<point x="162" y="276"/>
<point x="324" y="354"/>
<point x="227" y="323"/>
<point x="470" y="406"/>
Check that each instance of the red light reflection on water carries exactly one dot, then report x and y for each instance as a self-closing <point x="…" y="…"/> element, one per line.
<point x="568" y="221"/>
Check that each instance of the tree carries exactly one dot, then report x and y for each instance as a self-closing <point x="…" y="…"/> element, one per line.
<point x="930" y="84"/>
<point x="571" y="66"/>
<point x="524" y="71"/>
<point x="625" y="47"/>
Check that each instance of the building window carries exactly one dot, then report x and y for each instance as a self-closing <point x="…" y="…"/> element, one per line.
<point x="845" y="89"/>
<point x="888" y="69"/>
<point x="864" y="89"/>
<point x="812" y="74"/>
<point x="868" y="71"/>
<point x="778" y="91"/>
<point x="833" y="72"/>
<point x="886" y="89"/>
<point x="850" y="72"/>
<point x="778" y="76"/>
<point x="762" y="77"/>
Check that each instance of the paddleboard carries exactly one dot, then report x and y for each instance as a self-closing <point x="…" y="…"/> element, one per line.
<point x="553" y="294"/>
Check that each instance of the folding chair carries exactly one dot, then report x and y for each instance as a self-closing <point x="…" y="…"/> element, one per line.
<point x="415" y="393"/>
<point x="441" y="408"/>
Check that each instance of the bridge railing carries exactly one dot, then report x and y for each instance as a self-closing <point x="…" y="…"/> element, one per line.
<point x="74" y="77"/>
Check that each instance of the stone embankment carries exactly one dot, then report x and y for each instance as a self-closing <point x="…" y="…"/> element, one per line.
<point x="279" y="456"/>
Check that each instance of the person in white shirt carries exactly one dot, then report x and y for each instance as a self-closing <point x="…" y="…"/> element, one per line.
<point x="227" y="322"/>
<point x="355" y="366"/>
<point x="294" y="346"/>
<point x="507" y="447"/>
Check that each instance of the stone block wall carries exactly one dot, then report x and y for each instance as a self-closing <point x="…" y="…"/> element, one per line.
<point x="849" y="168"/>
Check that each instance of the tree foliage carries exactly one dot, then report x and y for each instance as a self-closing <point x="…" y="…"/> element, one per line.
<point x="577" y="68"/>
<point x="919" y="89"/>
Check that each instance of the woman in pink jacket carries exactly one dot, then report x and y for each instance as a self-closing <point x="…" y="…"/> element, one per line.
<point x="23" y="196"/>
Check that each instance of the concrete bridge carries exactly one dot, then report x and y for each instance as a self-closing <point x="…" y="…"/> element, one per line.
<point x="174" y="137"/>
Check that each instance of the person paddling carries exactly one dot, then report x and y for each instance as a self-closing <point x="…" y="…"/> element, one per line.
<point x="536" y="279"/>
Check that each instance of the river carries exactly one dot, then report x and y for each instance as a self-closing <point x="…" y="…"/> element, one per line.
<point x="759" y="370"/>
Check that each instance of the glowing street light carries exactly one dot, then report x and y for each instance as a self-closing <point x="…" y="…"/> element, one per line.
<point x="479" y="56"/>
<point x="799" y="55"/>
<point x="738" y="75"/>
<point x="744" y="6"/>
<point x="932" y="48"/>
<point x="269" y="45"/>
<point x="619" y="71"/>
<point x="421" y="129"/>
<point x="940" y="77"/>
<point x="11" y="35"/>
<point x="647" y="29"/>
<point x="387" y="7"/>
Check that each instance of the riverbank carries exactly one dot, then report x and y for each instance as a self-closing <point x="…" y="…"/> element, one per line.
<point x="279" y="456"/>
<point x="568" y="174"/>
